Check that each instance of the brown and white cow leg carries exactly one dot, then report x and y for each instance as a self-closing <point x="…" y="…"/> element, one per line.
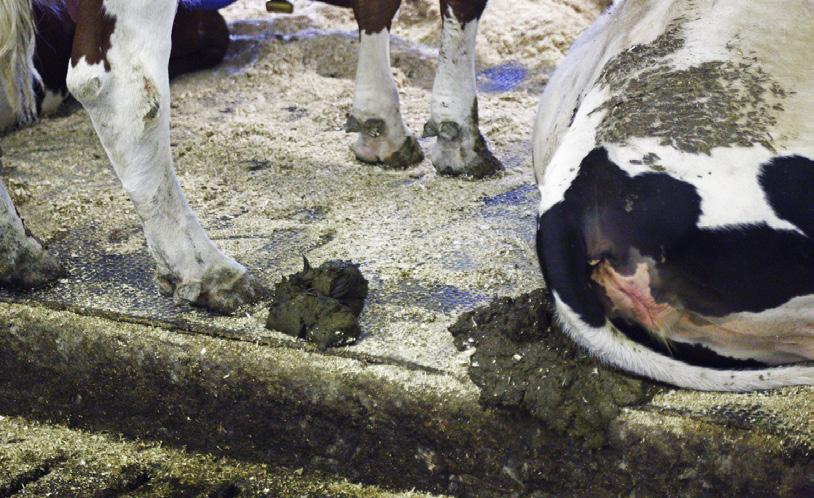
<point x="119" y="73"/>
<point x="23" y="261"/>
<point x="460" y="148"/>
<point x="376" y="116"/>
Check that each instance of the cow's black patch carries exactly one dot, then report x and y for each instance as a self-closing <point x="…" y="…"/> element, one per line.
<point x="605" y="213"/>
<point x="718" y="272"/>
<point x="789" y="186"/>
<point x="53" y="49"/>
<point x="563" y="259"/>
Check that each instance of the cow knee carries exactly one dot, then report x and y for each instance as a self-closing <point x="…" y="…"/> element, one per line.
<point x="94" y="87"/>
<point x="87" y="82"/>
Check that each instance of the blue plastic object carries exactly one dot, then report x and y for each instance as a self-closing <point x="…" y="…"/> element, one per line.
<point x="207" y="4"/>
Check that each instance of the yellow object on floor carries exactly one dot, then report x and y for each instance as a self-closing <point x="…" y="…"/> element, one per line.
<point x="280" y="6"/>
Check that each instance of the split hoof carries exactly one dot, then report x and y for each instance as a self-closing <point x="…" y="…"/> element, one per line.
<point x="379" y="145"/>
<point x="221" y="290"/>
<point x="409" y="154"/>
<point x="461" y="151"/>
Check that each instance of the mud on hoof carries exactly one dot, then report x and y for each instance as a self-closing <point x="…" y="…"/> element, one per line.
<point x="395" y="150"/>
<point x="461" y="151"/>
<point x="29" y="267"/>
<point x="222" y="290"/>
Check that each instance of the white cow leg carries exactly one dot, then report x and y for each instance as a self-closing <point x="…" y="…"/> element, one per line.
<point x="119" y="74"/>
<point x="376" y="116"/>
<point x="23" y="261"/>
<point x="460" y="148"/>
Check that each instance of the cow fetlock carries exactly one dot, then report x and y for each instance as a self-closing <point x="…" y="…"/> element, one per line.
<point x="25" y="264"/>
<point x="376" y="116"/>
<point x="460" y="149"/>
<point x="378" y="142"/>
<point x="222" y="287"/>
<point x="23" y="261"/>
<point x="189" y="266"/>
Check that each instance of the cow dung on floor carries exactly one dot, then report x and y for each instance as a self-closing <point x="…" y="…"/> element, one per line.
<point x="521" y="361"/>
<point x="321" y="305"/>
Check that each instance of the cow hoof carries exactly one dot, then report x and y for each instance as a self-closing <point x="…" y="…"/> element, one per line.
<point x="461" y="151"/>
<point x="222" y="290"/>
<point x="377" y="144"/>
<point x="409" y="154"/>
<point x="30" y="268"/>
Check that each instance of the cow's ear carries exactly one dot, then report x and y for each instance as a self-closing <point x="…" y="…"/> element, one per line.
<point x="306" y="265"/>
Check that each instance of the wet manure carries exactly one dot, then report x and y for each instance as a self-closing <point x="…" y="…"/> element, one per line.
<point x="522" y="361"/>
<point x="320" y="305"/>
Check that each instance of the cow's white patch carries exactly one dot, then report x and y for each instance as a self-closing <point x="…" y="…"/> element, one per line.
<point x="623" y="25"/>
<point x="129" y="107"/>
<point x="571" y="148"/>
<point x="727" y="180"/>
<point x="454" y="92"/>
<point x="616" y="349"/>
<point x="377" y="98"/>
<point x="51" y="102"/>
<point x="711" y="32"/>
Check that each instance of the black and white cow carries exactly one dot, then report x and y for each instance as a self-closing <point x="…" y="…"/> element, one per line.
<point x="118" y="70"/>
<point x="674" y="151"/>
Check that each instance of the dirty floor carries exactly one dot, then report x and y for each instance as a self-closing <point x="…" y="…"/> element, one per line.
<point x="260" y="150"/>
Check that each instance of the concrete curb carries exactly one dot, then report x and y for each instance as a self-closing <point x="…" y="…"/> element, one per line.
<point x="380" y="424"/>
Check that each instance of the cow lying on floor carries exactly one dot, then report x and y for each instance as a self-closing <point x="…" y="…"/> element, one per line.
<point x="674" y="149"/>
<point x="119" y="72"/>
